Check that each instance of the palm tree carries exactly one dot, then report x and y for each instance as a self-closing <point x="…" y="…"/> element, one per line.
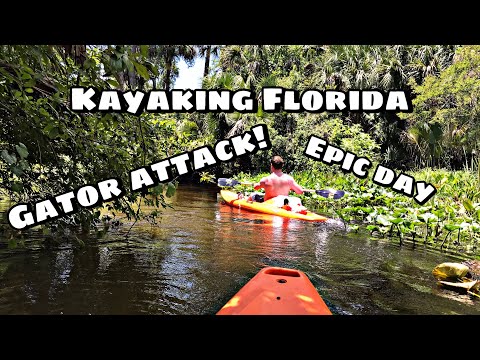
<point x="206" y="51"/>
<point x="170" y="54"/>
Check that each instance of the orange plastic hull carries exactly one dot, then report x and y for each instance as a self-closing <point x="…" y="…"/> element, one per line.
<point x="267" y="207"/>
<point x="277" y="291"/>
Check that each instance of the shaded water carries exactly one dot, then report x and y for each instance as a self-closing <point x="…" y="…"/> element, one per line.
<point x="203" y="252"/>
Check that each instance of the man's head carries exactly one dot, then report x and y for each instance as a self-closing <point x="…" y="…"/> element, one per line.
<point x="276" y="162"/>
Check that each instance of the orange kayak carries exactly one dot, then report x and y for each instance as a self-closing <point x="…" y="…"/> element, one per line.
<point x="277" y="291"/>
<point x="267" y="207"/>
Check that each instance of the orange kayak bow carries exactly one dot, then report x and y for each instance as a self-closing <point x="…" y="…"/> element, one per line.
<point x="277" y="291"/>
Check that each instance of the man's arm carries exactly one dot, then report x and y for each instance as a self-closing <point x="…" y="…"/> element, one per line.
<point x="295" y="187"/>
<point x="259" y="185"/>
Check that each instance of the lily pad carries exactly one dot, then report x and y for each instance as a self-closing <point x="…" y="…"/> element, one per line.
<point x="451" y="227"/>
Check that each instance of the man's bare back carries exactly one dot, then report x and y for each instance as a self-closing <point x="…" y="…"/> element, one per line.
<point x="278" y="183"/>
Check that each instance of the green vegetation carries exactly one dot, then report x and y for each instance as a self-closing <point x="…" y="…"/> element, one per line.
<point x="46" y="149"/>
<point x="451" y="220"/>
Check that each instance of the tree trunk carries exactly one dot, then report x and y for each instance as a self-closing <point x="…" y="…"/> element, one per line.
<point x="168" y="71"/>
<point x="132" y="78"/>
<point x="207" y="62"/>
<point x="121" y="80"/>
<point x="77" y="52"/>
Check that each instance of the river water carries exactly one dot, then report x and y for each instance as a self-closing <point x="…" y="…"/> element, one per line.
<point x="202" y="252"/>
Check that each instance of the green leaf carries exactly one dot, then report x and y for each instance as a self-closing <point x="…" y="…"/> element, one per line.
<point x="44" y="112"/>
<point x="382" y="220"/>
<point x="10" y="159"/>
<point x="88" y="63"/>
<point x="144" y="50"/>
<point x="25" y="76"/>
<point x="152" y="68"/>
<point x="427" y="217"/>
<point x="22" y="150"/>
<point x="170" y="190"/>
<point x="142" y="70"/>
<point x="12" y="244"/>
<point x="451" y="227"/>
<point x="29" y="84"/>
<point x="24" y="165"/>
<point x="117" y="64"/>
<point x="467" y="204"/>
<point x="114" y="83"/>
<point x="128" y="63"/>
<point x="398" y="212"/>
<point x="372" y="227"/>
<point x="366" y="210"/>
<point x="17" y="187"/>
<point x="260" y="110"/>
<point x="17" y="170"/>
<point x="53" y="133"/>
<point x="157" y="190"/>
<point x="29" y="90"/>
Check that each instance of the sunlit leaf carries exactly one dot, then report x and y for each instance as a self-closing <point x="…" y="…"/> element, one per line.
<point x="114" y="83"/>
<point x="382" y="220"/>
<point x="461" y="285"/>
<point x="450" y="270"/>
<point x="467" y="204"/>
<point x="427" y="217"/>
<point x="451" y="227"/>
<point x="142" y="70"/>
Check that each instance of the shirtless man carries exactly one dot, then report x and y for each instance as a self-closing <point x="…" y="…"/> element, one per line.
<point x="277" y="183"/>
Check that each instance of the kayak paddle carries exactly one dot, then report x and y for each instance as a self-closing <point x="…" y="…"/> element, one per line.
<point x="231" y="182"/>
<point x="337" y="194"/>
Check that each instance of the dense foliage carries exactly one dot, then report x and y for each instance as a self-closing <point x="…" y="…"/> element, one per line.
<point x="47" y="149"/>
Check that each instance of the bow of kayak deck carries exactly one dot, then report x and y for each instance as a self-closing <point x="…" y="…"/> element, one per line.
<point x="267" y="207"/>
<point x="276" y="291"/>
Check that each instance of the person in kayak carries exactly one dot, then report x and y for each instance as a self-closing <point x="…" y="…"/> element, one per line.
<point x="277" y="183"/>
<point x="277" y="186"/>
